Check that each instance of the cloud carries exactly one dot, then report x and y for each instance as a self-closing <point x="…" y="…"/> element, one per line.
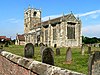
<point x="93" y="14"/>
<point x="13" y="20"/>
<point x="91" y="30"/>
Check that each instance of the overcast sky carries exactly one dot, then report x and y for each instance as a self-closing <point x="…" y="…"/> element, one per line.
<point x="12" y="14"/>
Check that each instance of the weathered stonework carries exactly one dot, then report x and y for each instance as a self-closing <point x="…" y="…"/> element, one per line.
<point x="94" y="64"/>
<point x="11" y="64"/>
<point x="62" y="31"/>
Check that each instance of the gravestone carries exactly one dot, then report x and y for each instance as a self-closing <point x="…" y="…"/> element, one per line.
<point x="48" y="56"/>
<point x="94" y="64"/>
<point x="57" y="51"/>
<point x="41" y="49"/>
<point x="68" y="55"/>
<point x="1" y="46"/>
<point x="82" y="50"/>
<point x="29" y="50"/>
<point x="41" y="44"/>
<point x="89" y="50"/>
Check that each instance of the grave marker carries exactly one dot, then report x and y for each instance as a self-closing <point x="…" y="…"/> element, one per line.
<point x="94" y="64"/>
<point x="29" y="50"/>
<point x="48" y="56"/>
<point x="57" y="51"/>
<point x="89" y="50"/>
<point x="82" y="50"/>
<point x="68" y="55"/>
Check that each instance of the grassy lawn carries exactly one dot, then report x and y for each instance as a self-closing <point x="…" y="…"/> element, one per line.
<point x="79" y="62"/>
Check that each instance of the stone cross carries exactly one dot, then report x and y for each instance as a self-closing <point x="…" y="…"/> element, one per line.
<point x="29" y="50"/>
<point x="89" y="50"/>
<point x="94" y="64"/>
<point x="48" y="56"/>
<point x="57" y="51"/>
<point x="68" y="55"/>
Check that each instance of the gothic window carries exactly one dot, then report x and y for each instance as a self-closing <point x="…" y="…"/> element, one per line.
<point x="54" y="34"/>
<point x="35" y="13"/>
<point x="46" y="35"/>
<point x="71" y="31"/>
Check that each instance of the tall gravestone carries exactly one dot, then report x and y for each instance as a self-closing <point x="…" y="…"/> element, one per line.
<point x="89" y="50"/>
<point x="82" y="50"/>
<point x="48" y="56"/>
<point x="57" y="51"/>
<point x="94" y="64"/>
<point x="68" y="55"/>
<point x="29" y="50"/>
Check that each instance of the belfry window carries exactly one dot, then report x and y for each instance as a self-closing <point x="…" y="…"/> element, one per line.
<point x="35" y="13"/>
<point x="71" y="31"/>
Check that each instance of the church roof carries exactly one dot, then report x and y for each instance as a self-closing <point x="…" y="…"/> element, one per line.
<point x="21" y="37"/>
<point x="55" y="20"/>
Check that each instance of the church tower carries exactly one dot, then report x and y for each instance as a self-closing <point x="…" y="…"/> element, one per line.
<point x="32" y="16"/>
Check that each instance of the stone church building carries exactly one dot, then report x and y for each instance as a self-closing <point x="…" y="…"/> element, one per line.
<point x="61" y="31"/>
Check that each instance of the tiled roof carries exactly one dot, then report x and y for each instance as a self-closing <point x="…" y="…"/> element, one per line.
<point x="2" y="37"/>
<point x="21" y="37"/>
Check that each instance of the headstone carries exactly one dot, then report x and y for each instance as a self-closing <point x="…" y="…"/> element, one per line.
<point x="68" y="55"/>
<point x="57" y="51"/>
<point x="41" y="49"/>
<point x="29" y="50"/>
<point x="94" y="64"/>
<point x="41" y="44"/>
<point x="48" y="56"/>
<point x="6" y="44"/>
<point x="89" y="50"/>
<point x="82" y="50"/>
<point x="1" y="46"/>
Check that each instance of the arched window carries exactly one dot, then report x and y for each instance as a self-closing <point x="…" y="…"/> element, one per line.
<point x="35" y="13"/>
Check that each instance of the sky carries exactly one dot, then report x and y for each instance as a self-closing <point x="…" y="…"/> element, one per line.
<point x="12" y="14"/>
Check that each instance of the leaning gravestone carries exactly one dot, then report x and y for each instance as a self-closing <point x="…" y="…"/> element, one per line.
<point x="48" y="56"/>
<point x="89" y="50"/>
<point x="68" y="55"/>
<point x="57" y="51"/>
<point x="29" y="50"/>
<point x="94" y="64"/>
<point x="82" y="50"/>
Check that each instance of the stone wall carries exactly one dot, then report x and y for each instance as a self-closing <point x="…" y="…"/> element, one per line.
<point x="11" y="64"/>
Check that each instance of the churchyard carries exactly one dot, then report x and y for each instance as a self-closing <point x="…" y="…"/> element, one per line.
<point x="75" y="59"/>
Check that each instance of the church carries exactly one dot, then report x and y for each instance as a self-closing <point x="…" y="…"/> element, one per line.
<point x="63" y="31"/>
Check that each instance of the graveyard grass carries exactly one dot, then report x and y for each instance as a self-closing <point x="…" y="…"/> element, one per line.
<point x="79" y="62"/>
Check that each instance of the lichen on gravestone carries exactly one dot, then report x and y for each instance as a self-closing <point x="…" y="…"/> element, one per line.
<point x="68" y="55"/>
<point x="29" y="50"/>
<point x="48" y="56"/>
